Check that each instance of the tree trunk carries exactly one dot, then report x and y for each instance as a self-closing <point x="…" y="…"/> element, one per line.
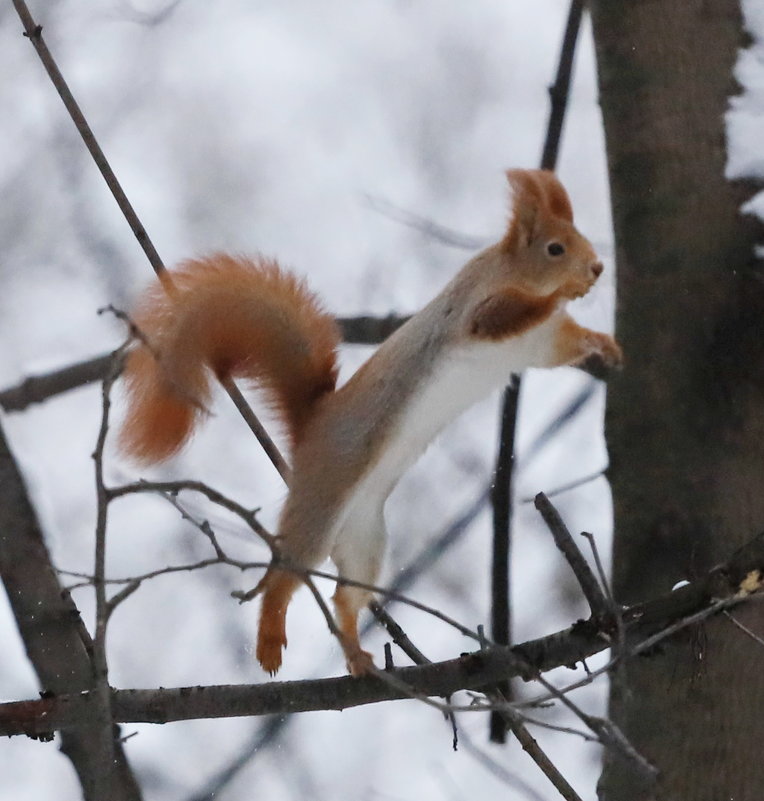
<point x="686" y="416"/>
<point x="50" y="627"/>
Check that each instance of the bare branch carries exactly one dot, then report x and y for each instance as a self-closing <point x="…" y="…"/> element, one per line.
<point x="502" y="494"/>
<point x="38" y="388"/>
<point x="752" y="634"/>
<point x="103" y="718"/>
<point x="369" y="330"/>
<point x="426" y="226"/>
<point x="571" y="485"/>
<point x="257" y="428"/>
<point x="248" y="516"/>
<point x="558" y="92"/>
<point x="362" y="330"/>
<point x="34" y="33"/>
<point x="594" y="594"/>
<point x="646" y="625"/>
<point x="549" y="769"/>
<point x="51" y="628"/>
<point x="400" y="638"/>
<point x="502" y="498"/>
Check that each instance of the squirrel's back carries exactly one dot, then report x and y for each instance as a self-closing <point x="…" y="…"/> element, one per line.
<point x="236" y="317"/>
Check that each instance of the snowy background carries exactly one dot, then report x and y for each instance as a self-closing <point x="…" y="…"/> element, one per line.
<point x="282" y="128"/>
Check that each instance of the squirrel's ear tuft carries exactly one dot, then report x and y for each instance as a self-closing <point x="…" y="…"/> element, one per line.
<point x="536" y="195"/>
<point x="557" y="198"/>
<point x="527" y="208"/>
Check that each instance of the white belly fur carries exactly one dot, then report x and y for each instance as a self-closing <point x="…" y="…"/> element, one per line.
<point x="461" y="377"/>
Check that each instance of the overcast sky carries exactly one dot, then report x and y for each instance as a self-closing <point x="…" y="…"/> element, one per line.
<point x="288" y="129"/>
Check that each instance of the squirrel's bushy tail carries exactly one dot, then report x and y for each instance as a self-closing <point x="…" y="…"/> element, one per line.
<point x="233" y="317"/>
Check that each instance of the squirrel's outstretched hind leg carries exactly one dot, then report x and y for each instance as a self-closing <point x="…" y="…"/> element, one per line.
<point x="279" y="586"/>
<point x="349" y="601"/>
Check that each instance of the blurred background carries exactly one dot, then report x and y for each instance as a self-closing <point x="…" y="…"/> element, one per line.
<point x="302" y="131"/>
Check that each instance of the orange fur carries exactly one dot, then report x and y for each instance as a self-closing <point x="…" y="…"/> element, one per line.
<point x="158" y="421"/>
<point x="349" y="601"/>
<point x="279" y="586"/>
<point x="511" y="312"/>
<point x="575" y="345"/>
<point x="537" y="197"/>
<point x="237" y="318"/>
<point x="228" y="316"/>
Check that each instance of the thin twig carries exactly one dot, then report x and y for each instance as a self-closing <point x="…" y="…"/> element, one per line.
<point x="571" y="485"/>
<point x="100" y="664"/>
<point x="642" y="646"/>
<point x="426" y="226"/>
<point x="173" y="487"/>
<point x="594" y="594"/>
<point x="257" y="428"/>
<point x="606" y="731"/>
<point x="249" y="595"/>
<point x="388" y="593"/>
<point x="400" y="638"/>
<point x="752" y="634"/>
<point x="543" y="724"/>
<point x="403" y="641"/>
<point x="34" y="32"/>
<point x="615" y="609"/>
<point x="203" y="525"/>
<point x="498" y="770"/>
<point x="547" y="767"/>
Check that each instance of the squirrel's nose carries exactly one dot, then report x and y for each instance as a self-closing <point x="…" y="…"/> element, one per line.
<point x="597" y="269"/>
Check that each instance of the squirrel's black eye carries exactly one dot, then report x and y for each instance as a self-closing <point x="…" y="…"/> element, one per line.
<point x="555" y="249"/>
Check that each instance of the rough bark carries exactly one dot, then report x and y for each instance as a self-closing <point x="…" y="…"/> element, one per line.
<point x="686" y="417"/>
<point x="53" y="634"/>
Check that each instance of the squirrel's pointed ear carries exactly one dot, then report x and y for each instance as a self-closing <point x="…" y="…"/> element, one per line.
<point x="527" y="207"/>
<point x="557" y="198"/>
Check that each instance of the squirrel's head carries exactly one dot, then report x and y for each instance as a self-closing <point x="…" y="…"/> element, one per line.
<point x="547" y="253"/>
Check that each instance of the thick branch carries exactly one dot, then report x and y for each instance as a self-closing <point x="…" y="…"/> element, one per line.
<point x="663" y="616"/>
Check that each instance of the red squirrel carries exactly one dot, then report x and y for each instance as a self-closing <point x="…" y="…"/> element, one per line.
<point x="229" y="316"/>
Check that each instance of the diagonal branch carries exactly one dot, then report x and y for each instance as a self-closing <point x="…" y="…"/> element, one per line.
<point x="33" y="32"/>
<point x="598" y="603"/>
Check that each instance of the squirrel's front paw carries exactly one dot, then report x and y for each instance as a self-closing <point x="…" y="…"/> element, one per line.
<point x="602" y="354"/>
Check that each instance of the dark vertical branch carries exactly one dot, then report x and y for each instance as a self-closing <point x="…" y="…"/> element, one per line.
<point x="502" y="491"/>
<point x="558" y="92"/>
<point x="501" y="499"/>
